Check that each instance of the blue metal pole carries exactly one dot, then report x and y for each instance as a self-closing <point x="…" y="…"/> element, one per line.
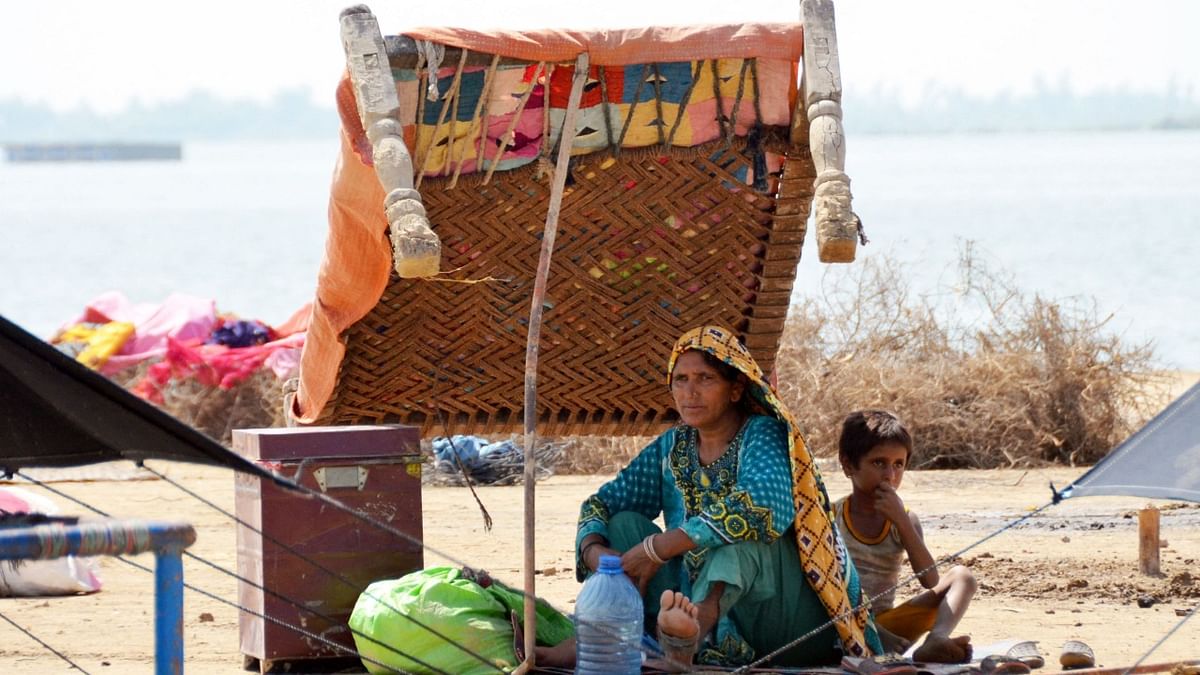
<point x="121" y="537"/>
<point x="168" y="612"/>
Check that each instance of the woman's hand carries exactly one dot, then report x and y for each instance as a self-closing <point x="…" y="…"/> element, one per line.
<point x="639" y="567"/>
<point x="592" y="549"/>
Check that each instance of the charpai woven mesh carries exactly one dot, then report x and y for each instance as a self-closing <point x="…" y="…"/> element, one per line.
<point x="651" y="242"/>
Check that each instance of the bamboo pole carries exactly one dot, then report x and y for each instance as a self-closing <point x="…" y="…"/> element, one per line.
<point x="566" y="141"/>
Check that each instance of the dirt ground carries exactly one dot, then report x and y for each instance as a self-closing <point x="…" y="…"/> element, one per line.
<point x="1069" y="572"/>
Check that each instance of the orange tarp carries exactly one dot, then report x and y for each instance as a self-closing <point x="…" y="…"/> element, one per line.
<point x="358" y="256"/>
<point x="631" y="45"/>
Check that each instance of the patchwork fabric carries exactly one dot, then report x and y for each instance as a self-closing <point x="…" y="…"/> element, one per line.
<point x="501" y="117"/>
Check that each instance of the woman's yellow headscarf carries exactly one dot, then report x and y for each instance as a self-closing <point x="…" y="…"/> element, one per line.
<point x="821" y="553"/>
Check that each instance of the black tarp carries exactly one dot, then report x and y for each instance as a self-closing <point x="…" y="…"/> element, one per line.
<point x="1161" y="460"/>
<point x="55" y="412"/>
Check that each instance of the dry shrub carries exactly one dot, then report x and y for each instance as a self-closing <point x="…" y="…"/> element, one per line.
<point x="129" y="377"/>
<point x="256" y="402"/>
<point x="988" y="377"/>
<point x="253" y="403"/>
<point x="592" y="455"/>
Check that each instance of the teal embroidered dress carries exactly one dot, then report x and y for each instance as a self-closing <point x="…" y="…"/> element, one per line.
<point x="744" y="497"/>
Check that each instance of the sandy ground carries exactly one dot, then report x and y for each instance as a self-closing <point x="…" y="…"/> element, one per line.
<point x="1069" y="572"/>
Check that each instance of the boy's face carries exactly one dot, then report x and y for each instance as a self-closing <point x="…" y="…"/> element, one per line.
<point x="884" y="463"/>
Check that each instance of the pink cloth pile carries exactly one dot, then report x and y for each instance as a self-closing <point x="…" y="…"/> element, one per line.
<point x="174" y="334"/>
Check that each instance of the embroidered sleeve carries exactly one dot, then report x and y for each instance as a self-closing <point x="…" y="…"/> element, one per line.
<point x="760" y="506"/>
<point x="637" y="488"/>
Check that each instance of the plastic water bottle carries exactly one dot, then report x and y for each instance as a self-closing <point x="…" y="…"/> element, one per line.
<point x="608" y="622"/>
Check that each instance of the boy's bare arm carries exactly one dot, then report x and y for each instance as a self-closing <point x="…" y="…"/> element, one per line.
<point x="908" y="526"/>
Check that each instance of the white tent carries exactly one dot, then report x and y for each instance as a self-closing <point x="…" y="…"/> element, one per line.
<point x="1161" y="460"/>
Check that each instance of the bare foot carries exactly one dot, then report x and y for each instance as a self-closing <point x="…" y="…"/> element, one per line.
<point x="892" y="643"/>
<point x="677" y="622"/>
<point x="942" y="649"/>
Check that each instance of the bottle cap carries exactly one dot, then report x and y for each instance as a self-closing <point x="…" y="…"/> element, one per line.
<point x="610" y="564"/>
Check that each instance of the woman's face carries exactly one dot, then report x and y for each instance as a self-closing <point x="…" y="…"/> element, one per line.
<point x="702" y="396"/>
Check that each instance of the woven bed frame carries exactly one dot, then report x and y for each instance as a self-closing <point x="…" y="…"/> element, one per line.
<point x="650" y="242"/>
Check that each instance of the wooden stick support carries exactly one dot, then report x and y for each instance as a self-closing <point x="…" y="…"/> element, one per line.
<point x="416" y="250"/>
<point x="561" y="168"/>
<point x="1148" y="541"/>
<point x="821" y="98"/>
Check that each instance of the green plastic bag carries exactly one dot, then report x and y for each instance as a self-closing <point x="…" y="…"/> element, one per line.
<point x="466" y="615"/>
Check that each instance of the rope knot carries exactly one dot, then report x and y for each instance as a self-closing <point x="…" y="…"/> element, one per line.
<point x="432" y="54"/>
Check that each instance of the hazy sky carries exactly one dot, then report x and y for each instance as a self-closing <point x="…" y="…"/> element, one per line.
<point x="109" y="54"/>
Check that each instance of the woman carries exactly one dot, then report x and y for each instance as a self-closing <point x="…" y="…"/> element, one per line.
<point x="734" y="483"/>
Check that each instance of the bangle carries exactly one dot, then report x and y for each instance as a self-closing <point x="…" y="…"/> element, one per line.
<point x="583" y="551"/>
<point x="648" y="547"/>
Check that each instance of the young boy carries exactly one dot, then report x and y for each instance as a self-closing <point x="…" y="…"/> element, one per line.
<point x="874" y="449"/>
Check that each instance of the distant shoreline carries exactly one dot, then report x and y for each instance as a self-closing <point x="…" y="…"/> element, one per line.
<point x="92" y="152"/>
<point x="201" y="115"/>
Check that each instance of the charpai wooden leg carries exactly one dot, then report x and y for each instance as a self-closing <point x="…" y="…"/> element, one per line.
<point x="416" y="250"/>
<point x="837" y="226"/>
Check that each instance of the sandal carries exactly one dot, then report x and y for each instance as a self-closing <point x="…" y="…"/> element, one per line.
<point x="1026" y="652"/>
<point x="886" y="664"/>
<point x="998" y="664"/>
<point x="1076" y="654"/>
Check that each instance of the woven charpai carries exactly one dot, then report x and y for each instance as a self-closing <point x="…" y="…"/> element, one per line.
<point x="651" y="242"/>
